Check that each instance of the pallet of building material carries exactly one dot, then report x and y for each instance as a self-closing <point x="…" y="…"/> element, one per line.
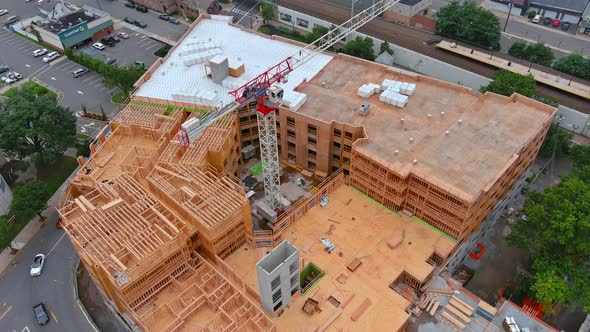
<point x="395" y="241"/>
<point x="310" y="306"/>
<point x="354" y="264"/>
<point x="433" y="308"/>
<point x="458" y="314"/>
<point x="360" y="310"/>
<point x="448" y="292"/>
<point x="446" y="316"/>
<point x="464" y="307"/>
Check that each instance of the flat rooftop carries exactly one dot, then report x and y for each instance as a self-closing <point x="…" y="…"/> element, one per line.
<point x="215" y="34"/>
<point x="493" y="128"/>
<point x="359" y="228"/>
<point x="69" y="21"/>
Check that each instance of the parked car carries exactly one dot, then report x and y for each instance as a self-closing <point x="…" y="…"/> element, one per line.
<point x="110" y="60"/>
<point x="12" y="77"/>
<point x="164" y="17"/>
<point x="115" y="38"/>
<point x="141" y="9"/>
<point x="565" y="26"/>
<point x="140" y="24"/>
<point x="108" y="41"/>
<point x="79" y="72"/>
<point x="39" y="2"/>
<point x="130" y="4"/>
<point x="39" y="52"/>
<point x="40" y="314"/>
<point x="547" y="21"/>
<point x="130" y="20"/>
<point x="123" y="35"/>
<point x="3" y="12"/>
<point x="536" y="19"/>
<point x="10" y="20"/>
<point x="98" y="46"/>
<point x="37" y="266"/>
<point x="4" y="68"/>
<point x="556" y="23"/>
<point x="50" y="57"/>
<point x="174" y="21"/>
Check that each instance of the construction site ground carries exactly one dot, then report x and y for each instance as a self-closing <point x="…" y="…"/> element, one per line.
<point x="360" y="229"/>
<point x="498" y="266"/>
<point x="418" y="41"/>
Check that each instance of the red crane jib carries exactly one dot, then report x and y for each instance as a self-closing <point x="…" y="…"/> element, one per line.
<point x="257" y="86"/>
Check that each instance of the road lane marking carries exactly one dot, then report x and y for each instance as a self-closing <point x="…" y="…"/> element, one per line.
<point x="52" y="314"/>
<point x="55" y="245"/>
<point x="53" y="78"/>
<point x="5" y="312"/>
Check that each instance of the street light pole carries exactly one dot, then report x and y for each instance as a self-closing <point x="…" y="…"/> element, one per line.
<point x="507" y="17"/>
<point x="531" y="64"/>
<point x="98" y="4"/>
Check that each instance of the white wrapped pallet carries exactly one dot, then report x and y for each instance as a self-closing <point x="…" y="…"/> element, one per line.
<point x="387" y="83"/>
<point x="404" y="88"/>
<point x="411" y="89"/>
<point x="376" y="87"/>
<point x="383" y="96"/>
<point x="365" y="91"/>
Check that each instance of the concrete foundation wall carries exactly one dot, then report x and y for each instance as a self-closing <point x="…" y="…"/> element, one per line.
<point x="5" y="197"/>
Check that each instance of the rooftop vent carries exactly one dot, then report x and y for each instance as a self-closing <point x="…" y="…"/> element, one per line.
<point x="396" y="152"/>
<point x="402" y="120"/>
<point x="429" y="116"/>
<point x="442" y="114"/>
<point x="447" y="133"/>
<point x="365" y="108"/>
<point x="323" y="84"/>
<point x="415" y="161"/>
<point x="460" y="121"/>
<point x="411" y="139"/>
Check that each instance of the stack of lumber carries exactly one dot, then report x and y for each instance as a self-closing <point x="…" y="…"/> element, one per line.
<point x="458" y="313"/>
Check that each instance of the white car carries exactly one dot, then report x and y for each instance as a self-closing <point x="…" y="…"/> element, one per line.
<point x="3" y="12"/>
<point x="12" y="77"/>
<point x="50" y="57"/>
<point x="39" y="52"/>
<point x="98" y="46"/>
<point x="37" y="266"/>
<point x="123" y="35"/>
<point x="39" y="2"/>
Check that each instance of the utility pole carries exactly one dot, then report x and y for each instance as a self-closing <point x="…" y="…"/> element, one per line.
<point x="554" y="151"/>
<point x="507" y="17"/>
<point x="98" y="4"/>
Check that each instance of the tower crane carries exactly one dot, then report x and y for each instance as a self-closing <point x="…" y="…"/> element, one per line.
<point x="268" y="95"/>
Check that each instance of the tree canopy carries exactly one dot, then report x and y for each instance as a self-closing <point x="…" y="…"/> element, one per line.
<point x="267" y="12"/>
<point x="360" y="47"/>
<point x="506" y="83"/>
<point x="29" y="199"/>
<point x="469" y="22"/>
<point x="556" y="233"/>
<point x="558" y="139"/>
<point x="122" y="77"/>
<point x="536" y="53"/>
<point x="574" y="64"/>
<point x="385" y="48"/>
<point x="35" y="126"/>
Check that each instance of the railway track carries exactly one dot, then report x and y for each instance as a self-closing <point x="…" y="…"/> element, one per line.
<point x="417" y="40"/>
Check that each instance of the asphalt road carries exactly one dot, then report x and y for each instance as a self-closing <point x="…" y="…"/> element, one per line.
<point x="54" y="287"/>
<point x="113" y="7"/>
<point x="246" y="12"/>
<point x="416" y="40"/>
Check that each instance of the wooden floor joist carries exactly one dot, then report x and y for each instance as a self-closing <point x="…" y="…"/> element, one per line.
<point x="329" y="321"/>
<point x="348" y="300"/>
<point x="458" y="314"/>
<point x="464" y="307"/>
<point x="433" y="308"/>
<point x="453" y="320"/>
<point x="360" y="310"/>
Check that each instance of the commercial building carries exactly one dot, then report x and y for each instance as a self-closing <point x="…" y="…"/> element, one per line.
<point x="565" y="10"/>
<point x="167" y="232"/>
<point x="70" y="26"/>
<point x="162" y="6"/>
<point x="403" y="11"/>
<point x="584" y="27"/>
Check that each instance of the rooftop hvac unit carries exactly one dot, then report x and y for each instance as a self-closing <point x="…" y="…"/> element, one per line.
<point x="365" y="108"/>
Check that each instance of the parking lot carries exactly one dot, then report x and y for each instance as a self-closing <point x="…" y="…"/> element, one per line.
<point x="87" y="90"/>
<point x="138" y="47"/>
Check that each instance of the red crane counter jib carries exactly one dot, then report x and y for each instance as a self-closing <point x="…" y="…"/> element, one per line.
<point x="256" y="87"/>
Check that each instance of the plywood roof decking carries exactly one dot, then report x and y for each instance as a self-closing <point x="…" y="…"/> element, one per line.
<point x="365" y="238"/>
<point x="493" y="127"/>
<point x="120" y="224"/>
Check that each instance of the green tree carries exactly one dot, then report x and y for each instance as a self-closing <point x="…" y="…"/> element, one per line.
<point x="385" y="48"/>
<point x="518" y="49"/>
<point x="315" y="34"/>
<point x="556" y="233"/>
<point x="122" y="77"/>
<point x="506" y="83"/>
<point x="267" y="12"/>
<point x="35" y="126"/>
<point x="539" y="53"/>
<point x="574" y="64"/>
<point x="469" y="22"/>
<point x="558" y="139"/>
<point x="360" y="47"/>
<point x="29" y="199"/>
<point x="7" y="231"/>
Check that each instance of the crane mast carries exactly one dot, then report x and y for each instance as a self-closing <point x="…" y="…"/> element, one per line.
<point x="268" y="96"/>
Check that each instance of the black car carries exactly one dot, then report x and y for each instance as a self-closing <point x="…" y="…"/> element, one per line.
<point x="130" y="4"/>
<point x="547" y="21"/>
<point x="108" y="41"/>
<point x="141" y="9"/>
<point x="565" y="26"/>
<point x="115" y="38"/>
<point x="4" y="68"/>
<point x="130" y="20"/>
<point x="140" y="24"/>
<point x="110" y="60"/>
<point x="40" y="314"/>
<point x="164" y="17"/>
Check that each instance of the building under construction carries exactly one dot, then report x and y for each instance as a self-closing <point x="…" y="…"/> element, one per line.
<point x="166" y="231"/>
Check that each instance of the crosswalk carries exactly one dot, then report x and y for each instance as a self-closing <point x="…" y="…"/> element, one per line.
<point x="239" y="11"/>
